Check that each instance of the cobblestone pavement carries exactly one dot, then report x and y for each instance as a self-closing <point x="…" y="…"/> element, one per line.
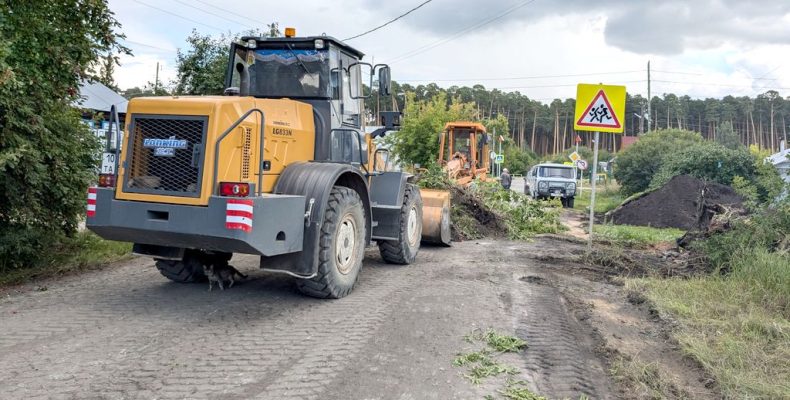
<point x="126" y="332"/>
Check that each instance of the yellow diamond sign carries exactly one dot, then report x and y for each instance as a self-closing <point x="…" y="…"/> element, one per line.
<point x="600" y="108"/>
<point x="574" y="156"/>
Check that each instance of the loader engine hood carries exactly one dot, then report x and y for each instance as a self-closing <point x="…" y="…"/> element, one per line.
<point x="173" y="144"/>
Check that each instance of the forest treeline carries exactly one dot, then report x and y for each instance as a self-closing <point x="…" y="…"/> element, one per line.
<point x="547" y="128"/>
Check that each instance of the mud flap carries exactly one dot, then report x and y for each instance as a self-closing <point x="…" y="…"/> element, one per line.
<point x="314" y="181"/>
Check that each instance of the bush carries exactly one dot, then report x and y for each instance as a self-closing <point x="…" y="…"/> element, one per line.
<point x="434" y="177"/>
<point x="708" y="161"/>
<point x="635" y="166"/>
<point x="47" y="156"/>
<point x="518" y="161"/>
<point x="768" y="229"/>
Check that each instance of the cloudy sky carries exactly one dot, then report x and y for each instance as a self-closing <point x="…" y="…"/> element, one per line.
<point x="541" y="48"/>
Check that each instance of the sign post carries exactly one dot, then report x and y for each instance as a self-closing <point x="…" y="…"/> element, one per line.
<point x="581" y="165"/>
<point x="599" y="108"/>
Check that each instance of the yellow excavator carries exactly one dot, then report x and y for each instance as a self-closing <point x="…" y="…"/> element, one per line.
<point x="280" y="167"/>
<point x="464" y="152"/>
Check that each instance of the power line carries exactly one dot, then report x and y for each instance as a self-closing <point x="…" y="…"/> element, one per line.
<point x="715" y="84"/>
<point x="521" y="77"/>
<point x="390" y="21"/>
<point x="179" y="16"/>
<point x="676" y="72"/>
<point x="560" y="85"/>
<point x="148" y="45"/>
<point x="762" y="78"/>
<point x="214" y="14"/>
<point x="423" y="49"/>
<point x="231" y="12"/>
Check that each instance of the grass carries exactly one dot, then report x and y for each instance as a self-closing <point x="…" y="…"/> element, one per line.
<point x="636" y="236"/>
<point x="644" y="380"/>
<point x="82" y="252"/>
<point x="736" y="325"/>
<point x="607" y="198"/>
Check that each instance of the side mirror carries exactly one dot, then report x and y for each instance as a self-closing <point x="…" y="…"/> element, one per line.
<point x="380" y="160"/>
<point x="361" y="69"/>
<point x="385" y="81"/>
<point x="390" y="119"/>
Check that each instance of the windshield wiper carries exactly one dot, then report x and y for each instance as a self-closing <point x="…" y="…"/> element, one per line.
<point x="297" y="59"/>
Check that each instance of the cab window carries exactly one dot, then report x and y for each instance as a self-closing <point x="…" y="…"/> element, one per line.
<point x="352" y="108"/>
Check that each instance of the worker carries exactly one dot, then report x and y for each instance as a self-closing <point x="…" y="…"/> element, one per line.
<point x="505" y="179"/>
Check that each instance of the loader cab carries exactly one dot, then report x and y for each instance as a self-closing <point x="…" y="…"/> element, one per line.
<point x="467" y="142"/>
<point x="319" y="70"/>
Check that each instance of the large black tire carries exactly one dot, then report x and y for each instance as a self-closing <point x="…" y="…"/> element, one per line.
<point x="342" y="246"/>
<point x="187" y="270"/>
<point x="569" y="202"/>
<point x="404" y="250"/>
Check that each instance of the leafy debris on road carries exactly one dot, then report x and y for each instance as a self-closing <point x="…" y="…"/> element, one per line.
<point x="483" y="364"/>
<point x="497" y="341"/>
<point x="519" y="390"/>
<point x="485" y="209"/>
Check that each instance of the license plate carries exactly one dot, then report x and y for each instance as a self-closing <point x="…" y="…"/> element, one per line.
<point x="556" y="194"/>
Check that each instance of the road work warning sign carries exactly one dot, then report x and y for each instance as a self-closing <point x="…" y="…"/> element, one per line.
<point x="600" y="108"/>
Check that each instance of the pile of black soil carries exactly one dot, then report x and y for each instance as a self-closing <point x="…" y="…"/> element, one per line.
<point x="684" y="202"/>
<point x="477" y="219"/>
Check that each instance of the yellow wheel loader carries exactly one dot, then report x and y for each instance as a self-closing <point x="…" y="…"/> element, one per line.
<point x="278" y="167"/>
<point x="464" y="152"/>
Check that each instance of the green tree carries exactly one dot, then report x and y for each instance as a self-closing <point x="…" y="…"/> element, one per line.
<point x="635" y="166"/>
<point x="707" y="160"/>
<point x="727" y="137"/>
<point x="47" y="156"/>
<point x="202" y="66"/>
<point x="417" y="142"/>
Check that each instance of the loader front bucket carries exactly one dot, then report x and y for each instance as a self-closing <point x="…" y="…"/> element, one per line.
<point x="435" y="216"/>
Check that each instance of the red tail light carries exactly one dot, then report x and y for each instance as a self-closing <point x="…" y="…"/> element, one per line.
<point x="107" y="180"/>
<point x="234" y="189"/>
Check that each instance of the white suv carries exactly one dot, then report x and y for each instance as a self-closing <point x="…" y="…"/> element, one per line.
<point x="552" y="180"/>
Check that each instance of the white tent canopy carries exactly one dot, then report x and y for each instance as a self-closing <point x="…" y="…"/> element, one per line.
<point x="781" y="161"/>
<point x="96" y="96"/>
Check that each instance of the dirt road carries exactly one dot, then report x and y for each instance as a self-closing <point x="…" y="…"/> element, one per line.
<point x="126" y="332"/>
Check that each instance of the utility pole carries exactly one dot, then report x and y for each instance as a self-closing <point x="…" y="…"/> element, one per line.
<point x="156" y="80"/>
<point x="649" y="99"/>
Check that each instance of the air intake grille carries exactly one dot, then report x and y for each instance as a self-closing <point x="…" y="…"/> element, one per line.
<point x="166" y="155"/>
<point x="245" y="154"/>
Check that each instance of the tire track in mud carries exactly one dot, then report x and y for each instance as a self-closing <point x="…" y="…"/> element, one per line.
<point x="561" y="355"/>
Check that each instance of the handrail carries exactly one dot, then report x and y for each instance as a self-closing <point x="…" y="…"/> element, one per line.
<point x="117" y="126"/>
<point x="260" y="156"/>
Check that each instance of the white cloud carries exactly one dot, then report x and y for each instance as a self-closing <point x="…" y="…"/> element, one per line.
<point x="141" y="69"/>
<point x="725" y="42"/>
